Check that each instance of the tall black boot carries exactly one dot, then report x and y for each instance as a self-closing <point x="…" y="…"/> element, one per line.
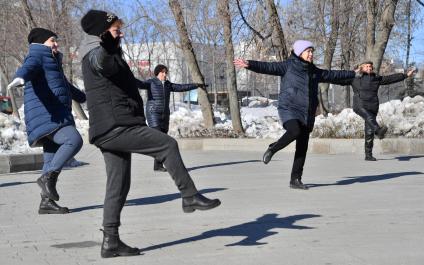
<point x="158" y="166"/>
<point x="47" y="183"/>
<point x="369" y="143"/>
<point x="112" y="246"/>
<point x="48" y="206"/>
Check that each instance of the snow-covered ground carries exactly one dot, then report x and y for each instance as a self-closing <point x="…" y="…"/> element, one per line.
<point x="260" y="120"/>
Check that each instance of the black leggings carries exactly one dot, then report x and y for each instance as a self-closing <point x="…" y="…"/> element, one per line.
<point x="295" y="130"/>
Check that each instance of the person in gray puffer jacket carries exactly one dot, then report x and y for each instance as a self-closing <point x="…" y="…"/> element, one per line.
<point x="297" y="101"/>
<point x="157" y="107"/>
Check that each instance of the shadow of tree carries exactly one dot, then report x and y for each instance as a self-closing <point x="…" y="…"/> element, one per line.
<point x="146" y="200"/>
<point x="408" y="158"/>
<point x="9" y="184"/>
<point x="251" y="231"/>
<point x="365" y="179"/>
<point x="223" y="164"/>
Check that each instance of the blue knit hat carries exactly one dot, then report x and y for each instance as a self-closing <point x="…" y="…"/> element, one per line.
<point x="301" y="45"/>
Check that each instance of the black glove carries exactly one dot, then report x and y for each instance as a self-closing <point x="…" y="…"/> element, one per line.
<point x="109" y="43"/>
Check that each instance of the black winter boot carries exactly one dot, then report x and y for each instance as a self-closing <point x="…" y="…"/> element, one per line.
<point x="381" y="132"/>
<point x="268" y="154"/>
<point x="158" y="166"/>
<point x="112" y="246"/>
<point x="297" y="184"/>
<point x="47" y="183"/>
<point x="369" y="143"/>
<point x="199" y="202"/>
<point x="48" y="206"/>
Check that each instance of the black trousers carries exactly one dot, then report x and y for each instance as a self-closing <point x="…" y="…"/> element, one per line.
<point x="295" y="130"/>
<point x="158" y="163"/>
<point x="117" y="155"/>
<point x="371" y="125"/>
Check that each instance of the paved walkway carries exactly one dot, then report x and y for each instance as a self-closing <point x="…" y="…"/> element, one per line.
<point x="356" y="212"/>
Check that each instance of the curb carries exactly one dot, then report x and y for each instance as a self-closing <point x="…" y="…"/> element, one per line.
<point x="316" y="145"/>
<point x="20" y="162"/>
<point x="410" y="146"/>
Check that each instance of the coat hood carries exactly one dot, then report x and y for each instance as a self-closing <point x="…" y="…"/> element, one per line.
<point x="89" y="42"/>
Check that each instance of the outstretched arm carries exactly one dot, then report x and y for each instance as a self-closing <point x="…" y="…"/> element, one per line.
<point x="30" y="68"/>
<point x="181" y="87"/>
<point x="77" y="95"/>
<point x="269" y="68"/>
<point x="145" y="85"/>
<point x="394" y="78"/>
<point x="340" y="77"/>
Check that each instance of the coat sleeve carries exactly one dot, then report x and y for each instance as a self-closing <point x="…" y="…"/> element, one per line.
<point x="269" y="68"/>
<point x="30" y="68"/>
<point x="77" y="95"/>
<point x="390" y="79"/>
<point x="103" y="62"/>
<point x="145" y="85"/>
<point x="335" y="76"/>
<point x="180" y="87"/>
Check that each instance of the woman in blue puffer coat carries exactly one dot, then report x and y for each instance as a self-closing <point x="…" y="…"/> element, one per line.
<point x="297" y="101"/>
<point x="157" y="107"/>
<point x="48" y="112"/>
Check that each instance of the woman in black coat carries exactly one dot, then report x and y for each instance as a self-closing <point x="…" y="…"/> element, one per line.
<point x="157" y="108"/>
<point x="297" y="101"/>
<point x="365" y="101"/>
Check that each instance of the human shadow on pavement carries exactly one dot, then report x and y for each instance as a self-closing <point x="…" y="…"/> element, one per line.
<point x="365" y="179"/>
<point x="223" y="164"/>
<point x="146" y="200"/>
<point x="408" y="158"/>
<point x="15" y="183"/>
<point x="252" y="231"/>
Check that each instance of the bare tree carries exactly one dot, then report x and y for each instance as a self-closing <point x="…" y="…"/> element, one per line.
<point x="190" y="56"/>
<point x="224" y="12"/>
<point x="377" y="39"/>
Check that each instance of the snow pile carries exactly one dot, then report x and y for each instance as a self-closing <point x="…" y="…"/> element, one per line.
<point x="13" y="138"/>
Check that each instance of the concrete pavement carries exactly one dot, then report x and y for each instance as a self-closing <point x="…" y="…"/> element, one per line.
<point x="356" y="212"/>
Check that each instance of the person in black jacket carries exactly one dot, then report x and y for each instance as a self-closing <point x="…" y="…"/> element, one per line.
<point x="365" y="100"/>
<point x="117" y="126"/>
<point x="157" y="106"/>
<point x="297" y="100"/>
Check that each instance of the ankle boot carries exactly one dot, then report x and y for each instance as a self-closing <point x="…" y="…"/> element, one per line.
<point x="112" y="246"/>
<point x="47" y="183"/>
<point x="199" y="202"/>
<point x="267" y="156"/>
<point x="298" y="184"/>
<point x="369" y="157"/>
<point x="381" y="132"/>
<point x="48" y="206"/>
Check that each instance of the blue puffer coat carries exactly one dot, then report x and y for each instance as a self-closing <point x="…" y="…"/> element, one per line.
<point x="48" y="94"/>
<point x="157" y="107"/>
<point x="298" y="96"/>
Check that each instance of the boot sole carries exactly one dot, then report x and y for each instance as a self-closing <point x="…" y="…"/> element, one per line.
<point x="51" y="212"/>
<point x="298" y="188"/>
<point x="106" y="255"/>
<point x="49" y="195"/>
<point x="190" y="209"/>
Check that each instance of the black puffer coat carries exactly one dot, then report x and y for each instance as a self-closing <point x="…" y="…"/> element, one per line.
<point x="365" y="89"/>
<point x="298" y="96"/>
<point x="158" y="95"/>
<point x="113" y="98"/>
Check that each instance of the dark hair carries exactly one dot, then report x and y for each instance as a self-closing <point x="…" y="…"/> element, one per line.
<point x="159" y="68"/>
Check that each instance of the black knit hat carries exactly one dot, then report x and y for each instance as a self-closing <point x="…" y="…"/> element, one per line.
<point x="40" y="35"/>
<point x="95" y="22"/>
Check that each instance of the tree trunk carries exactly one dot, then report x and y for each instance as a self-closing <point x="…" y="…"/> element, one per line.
<point x="224" y="12"/>
<point x="330" y="47"/>
<point x="190" y="56"/>
<point x="277" y="37"/>
<point x="376" y="43"/>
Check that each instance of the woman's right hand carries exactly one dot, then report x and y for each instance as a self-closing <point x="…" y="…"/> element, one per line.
<point x="241" y="63"/>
